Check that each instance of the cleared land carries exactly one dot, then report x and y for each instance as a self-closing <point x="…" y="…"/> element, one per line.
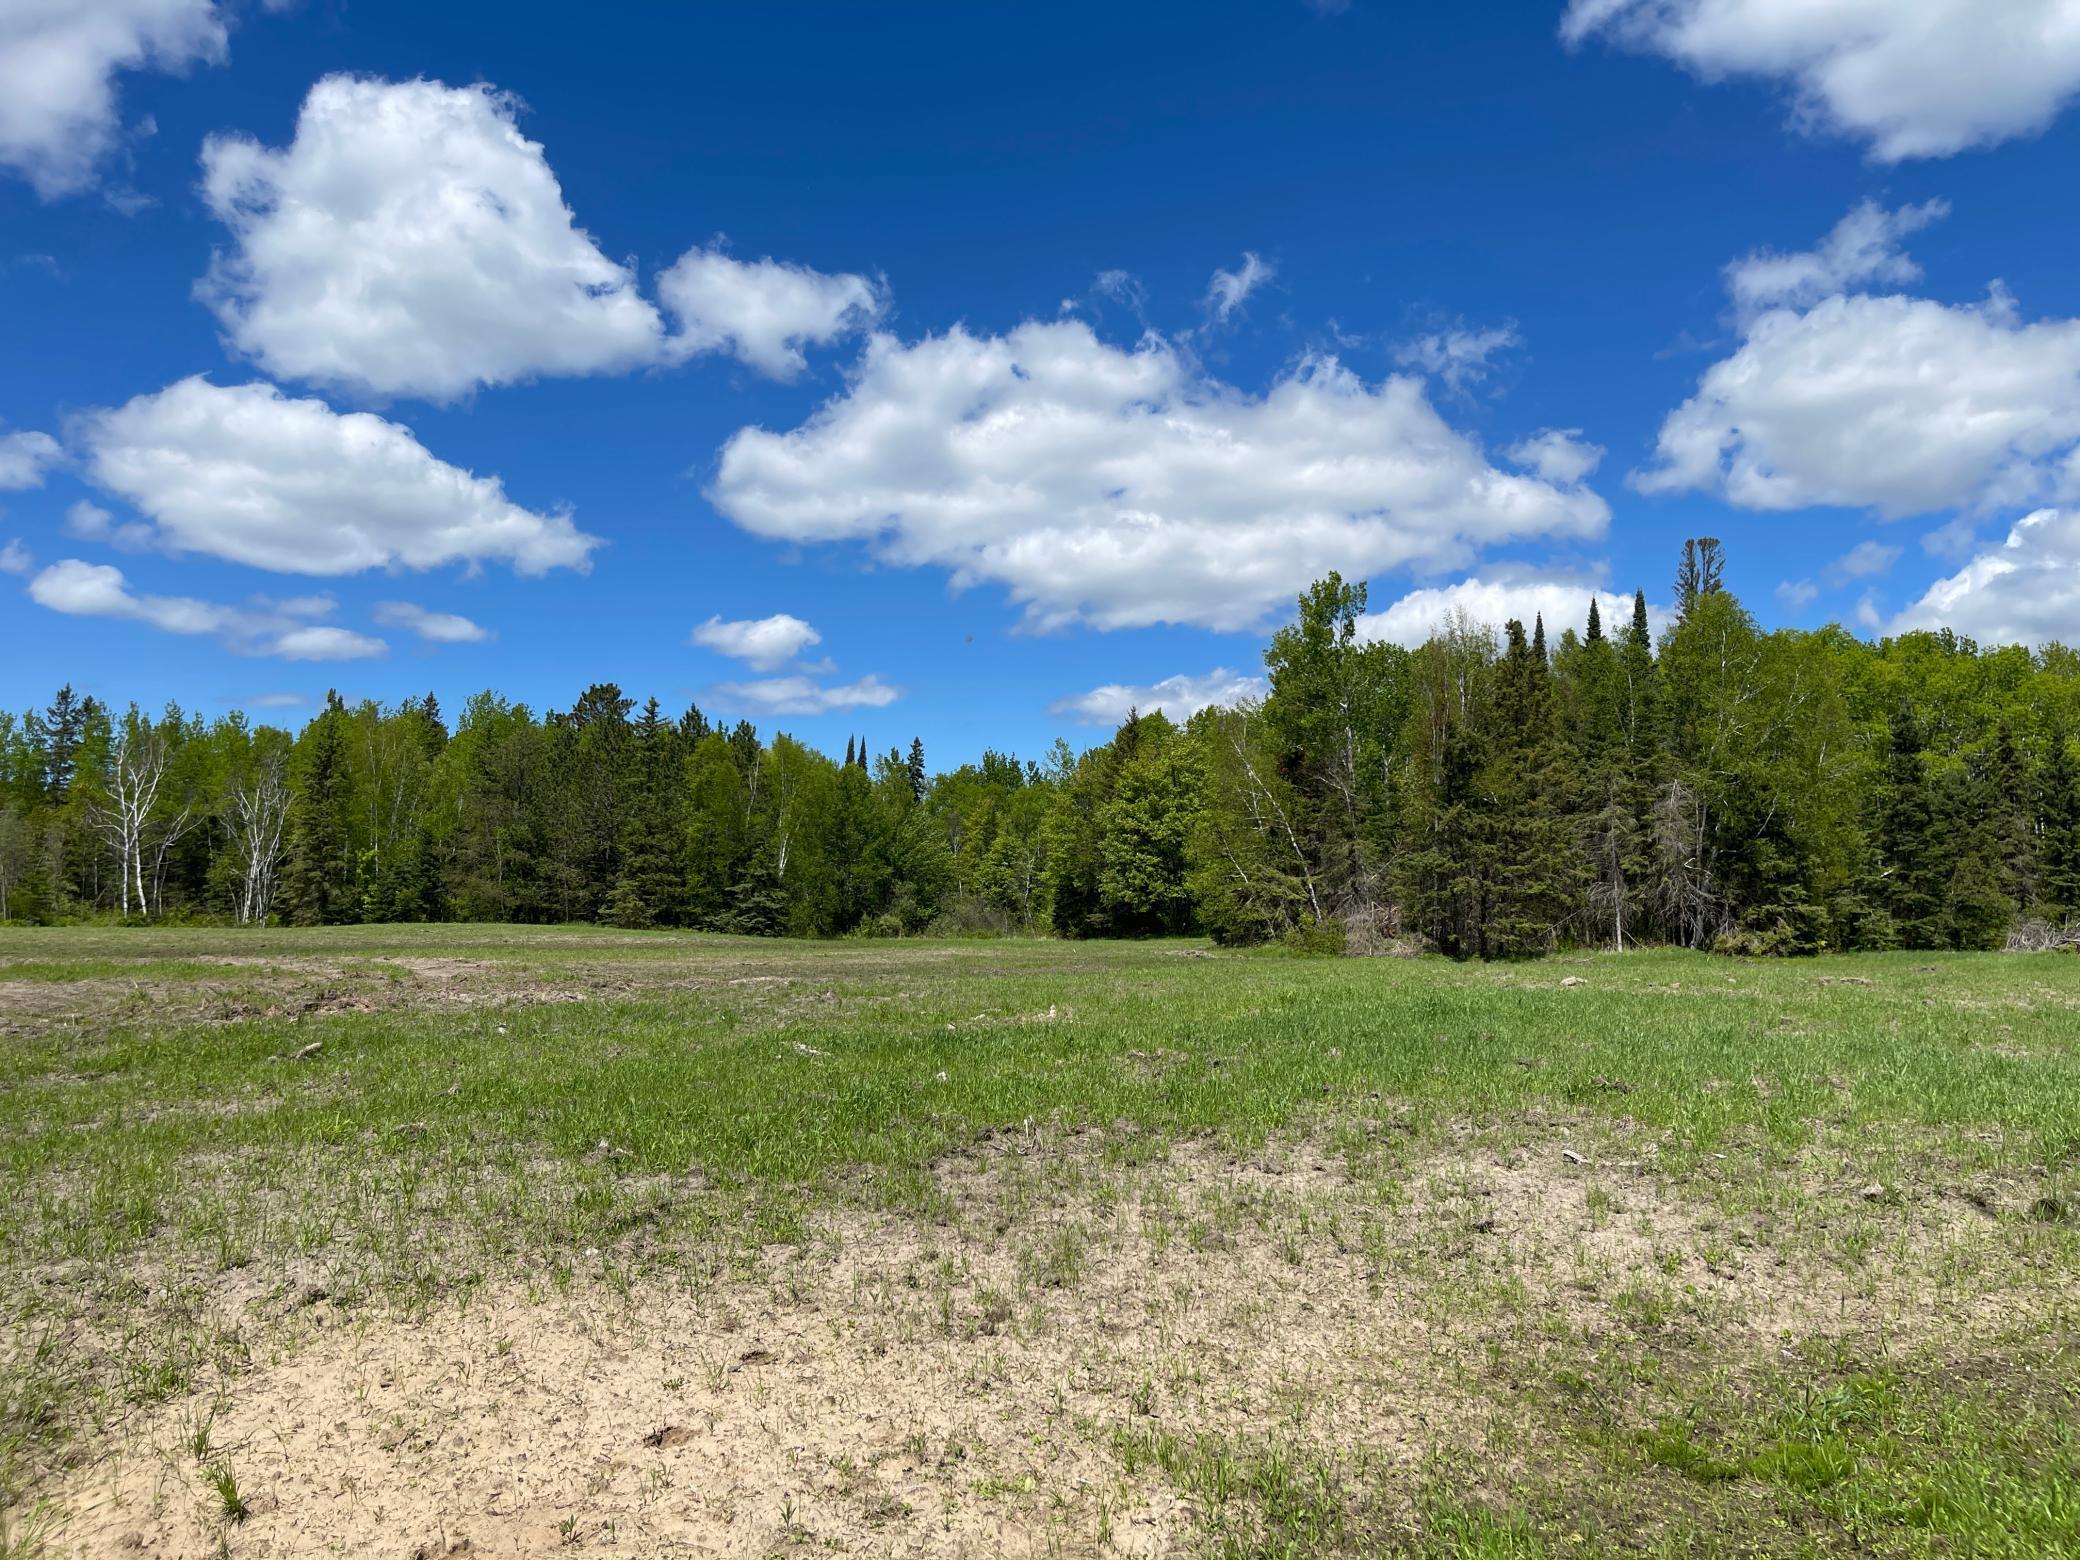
<point x="399" y="1241"/>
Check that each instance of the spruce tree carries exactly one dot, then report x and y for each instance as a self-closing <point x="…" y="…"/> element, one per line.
<point x="650" y="885"/>
<point x="1975" y="910"/>
<point x="59" y="734"/>
<point x="2011" y="822"/>
<point x="2058" y="827"/>
<point x="916" y="771"/>
<point x="318" y="877"/>
<point x="1908" y="851"/>
<point x="1533" y="869"/>
<point x="1595" y="622"/>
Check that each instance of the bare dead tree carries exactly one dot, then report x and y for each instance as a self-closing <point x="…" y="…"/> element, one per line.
<point x="1685" y="892"/>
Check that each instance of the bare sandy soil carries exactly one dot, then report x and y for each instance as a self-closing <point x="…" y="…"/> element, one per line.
<point x="907" y="1386"/>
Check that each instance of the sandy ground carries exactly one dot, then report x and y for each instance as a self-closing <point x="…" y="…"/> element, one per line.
<point x="897" y="1386"/>
<point x="884" y="1399"/>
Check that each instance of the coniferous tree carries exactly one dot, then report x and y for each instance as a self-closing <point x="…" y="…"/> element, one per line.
<point x="2058" y="813"/>
<point x="594" y="745"/>
<point x="62" y="729"/>
<point x="318" y="878"/>
<point x="1909" y="854"/>
<point x="650" y="886"/>
<point x="2011" y="820"/>
<point x="1534" y="868"/>
<point x="1701" y="573"/>
<point x="1974" y="910"/>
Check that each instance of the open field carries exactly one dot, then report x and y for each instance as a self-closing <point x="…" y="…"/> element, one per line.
<point x="403" y="1241"/>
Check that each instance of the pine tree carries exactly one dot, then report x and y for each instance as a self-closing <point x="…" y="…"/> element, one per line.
<point x="848" y="752"/>
<point x="1595" y="622"/>
<point x="1701" y="572"/>
<point x="1638" y="633"/>
<point x="915" y="770"/>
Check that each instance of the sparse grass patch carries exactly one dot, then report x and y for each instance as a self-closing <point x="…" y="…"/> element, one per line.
<point x="1698" y="1257"/>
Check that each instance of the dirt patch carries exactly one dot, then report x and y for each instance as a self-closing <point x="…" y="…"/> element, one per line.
<point x="885" y="1391"/>
<point x="962" y="1382"/>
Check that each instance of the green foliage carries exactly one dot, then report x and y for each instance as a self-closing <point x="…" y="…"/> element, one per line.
<point x="1494" y="793"/>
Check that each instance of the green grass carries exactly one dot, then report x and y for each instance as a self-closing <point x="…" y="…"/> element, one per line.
<point x="669" y="1098"/>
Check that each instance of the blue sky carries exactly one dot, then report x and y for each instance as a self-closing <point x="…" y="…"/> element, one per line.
<point x="397" y="347"/>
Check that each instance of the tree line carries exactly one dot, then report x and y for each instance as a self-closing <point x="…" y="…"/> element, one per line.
<point x="1495" y="793"/>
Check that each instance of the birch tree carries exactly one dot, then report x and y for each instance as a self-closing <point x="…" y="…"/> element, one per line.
<point x="256" y="816"/>
<point x="136" y="771"/>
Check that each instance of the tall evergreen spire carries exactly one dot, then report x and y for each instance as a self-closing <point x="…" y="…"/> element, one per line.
<point x="1595" y="622"/>
<point x="1640" y="636"/>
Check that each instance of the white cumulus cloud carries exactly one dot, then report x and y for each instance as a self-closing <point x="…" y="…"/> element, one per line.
<point x="274" y="628"/>
<point x="1558" y="455"/>
<point x="762" y="312"/>
<point x="1892" y="403"/>
<point x="58" y="64"/>
<point x="1492" y="600"/>
<point x="248" y="474"/>
<point x="2025" y="591"/>
<point x="764" y="644"/>
<point x="25" y="458"/>
<point x="410" y="240"/>
<point x="14" y="558"/>
<point x="441" y="628"/>
<point x="1179" y="697"/>
<point x="1123" y="486"/>
<point x="803" y="695"/>
<point x="1913" y="78"/>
